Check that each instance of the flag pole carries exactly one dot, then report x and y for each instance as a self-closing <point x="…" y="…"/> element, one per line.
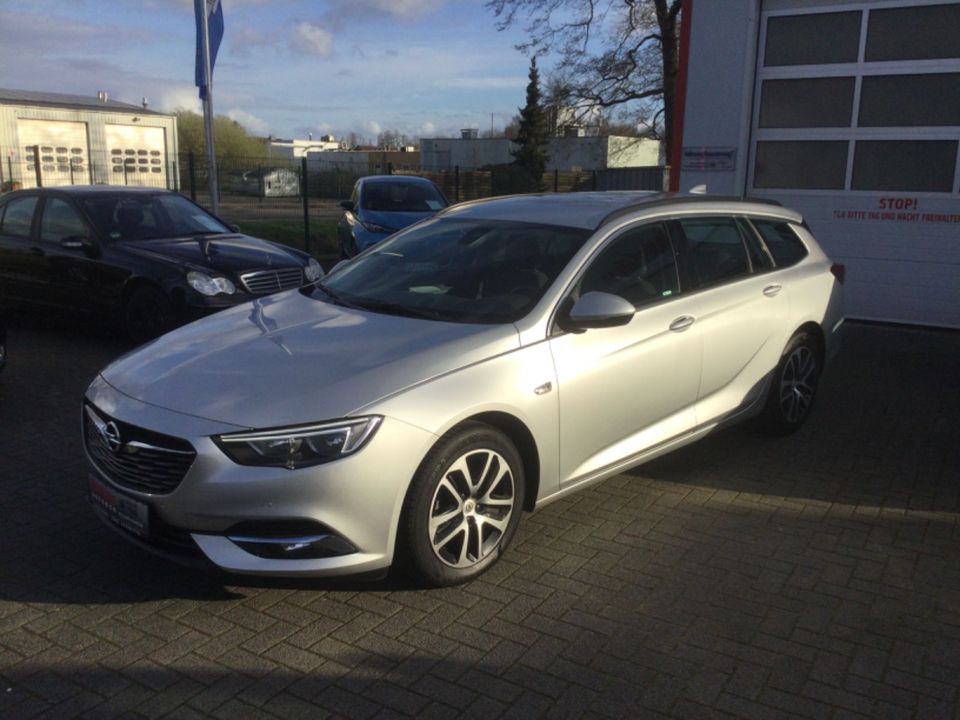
<point x="208" y="111"/>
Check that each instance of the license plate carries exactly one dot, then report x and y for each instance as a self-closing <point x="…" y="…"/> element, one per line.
<point x="132" y="515"/>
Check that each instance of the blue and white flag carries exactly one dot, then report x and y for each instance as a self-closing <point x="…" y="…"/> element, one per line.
<point x="214" y="10"/>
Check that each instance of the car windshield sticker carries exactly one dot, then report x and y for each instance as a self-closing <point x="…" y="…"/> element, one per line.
<point x="434" y="205"/>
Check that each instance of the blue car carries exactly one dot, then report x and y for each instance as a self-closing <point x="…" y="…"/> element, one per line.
<point x="382" y="204"/>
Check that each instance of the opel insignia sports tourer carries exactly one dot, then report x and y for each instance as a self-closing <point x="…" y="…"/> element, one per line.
<point x="413" y="404"/>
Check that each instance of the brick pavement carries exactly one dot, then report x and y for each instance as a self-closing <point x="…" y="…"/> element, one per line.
<point x="816" y="576"/>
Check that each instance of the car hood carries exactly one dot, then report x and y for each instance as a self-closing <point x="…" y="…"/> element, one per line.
<point x="394" y="220"/>
<point x="289" y="358"/>
<point x="224" y="253"/>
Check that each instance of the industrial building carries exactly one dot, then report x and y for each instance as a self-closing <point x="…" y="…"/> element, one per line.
<point x="848" y="111"/>
<point x="56" y="139"/>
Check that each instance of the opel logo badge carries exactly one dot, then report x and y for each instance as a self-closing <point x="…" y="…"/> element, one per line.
<point x="111" y="435"/>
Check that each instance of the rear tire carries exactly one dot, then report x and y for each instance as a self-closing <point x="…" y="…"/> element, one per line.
<point x="793" y="387"/>
<point x="463" y="506"/>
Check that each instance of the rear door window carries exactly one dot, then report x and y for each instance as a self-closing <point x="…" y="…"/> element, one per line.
<point x="782" y="242"/>
<point x="714" y="250"/>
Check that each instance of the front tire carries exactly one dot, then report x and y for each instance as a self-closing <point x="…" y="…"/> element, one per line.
<point x="463" y="506"/>
<point x="148" y="314"/>
<point x="794" y="385"/>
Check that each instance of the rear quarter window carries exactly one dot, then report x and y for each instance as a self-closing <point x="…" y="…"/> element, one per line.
<point x="785" y="247"/>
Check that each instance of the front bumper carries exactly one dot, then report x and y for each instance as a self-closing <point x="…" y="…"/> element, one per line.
<point x="333" y="519"/>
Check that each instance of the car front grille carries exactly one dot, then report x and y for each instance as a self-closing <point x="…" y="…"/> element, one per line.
<point x="263" y="282"/>
<point x="135" y="458"/>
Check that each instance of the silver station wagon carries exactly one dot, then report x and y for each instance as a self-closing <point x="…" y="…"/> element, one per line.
<point x="409" y="407"/>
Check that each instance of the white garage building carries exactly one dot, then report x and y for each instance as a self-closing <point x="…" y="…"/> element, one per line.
<point x="848" y="112"/>
<point x="84" y="140"/>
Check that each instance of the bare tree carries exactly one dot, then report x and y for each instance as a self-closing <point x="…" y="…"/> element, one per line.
<point x="616" y="55"/>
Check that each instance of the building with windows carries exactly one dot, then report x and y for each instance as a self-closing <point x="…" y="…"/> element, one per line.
<point x="56" y="139"/>
<point x="848" y="111"/>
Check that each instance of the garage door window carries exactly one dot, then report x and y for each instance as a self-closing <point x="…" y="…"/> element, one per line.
<point x="813" y="39"/>
<point x="808" y="164"/>
<point x="910" y="100"/>
<point x="807" y="102"/>
<point x="914" y="33"/>
<point x="909" y="165"/>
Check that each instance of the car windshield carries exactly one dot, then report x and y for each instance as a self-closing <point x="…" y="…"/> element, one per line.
<point x="400" y="196"/>
<point x="123" y="218"/>
<point x="469" y="271"/>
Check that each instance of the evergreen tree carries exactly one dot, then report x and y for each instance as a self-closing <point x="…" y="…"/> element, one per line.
<point x="533" y="133"/>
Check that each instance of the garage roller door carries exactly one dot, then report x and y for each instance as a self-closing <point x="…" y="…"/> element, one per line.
<point x="137" y="155"/>
<point x="63" y="152"/>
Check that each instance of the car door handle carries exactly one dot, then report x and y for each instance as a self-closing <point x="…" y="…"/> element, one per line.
<point x="682" y="323"/>
<point x="772" y="290"/>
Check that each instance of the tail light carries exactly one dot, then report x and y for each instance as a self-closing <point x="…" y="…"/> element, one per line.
<point x="839" y="272"/>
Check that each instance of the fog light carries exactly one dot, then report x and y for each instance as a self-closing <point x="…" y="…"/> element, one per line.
<point x="310" y="547"/>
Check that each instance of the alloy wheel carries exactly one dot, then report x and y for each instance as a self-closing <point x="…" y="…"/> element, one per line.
<point x="798" y="384"/>
<point x="471" y="508"/>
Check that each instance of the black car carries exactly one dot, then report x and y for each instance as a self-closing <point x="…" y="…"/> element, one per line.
<point x="3" y="343"/>
<point x="150" y="258"/>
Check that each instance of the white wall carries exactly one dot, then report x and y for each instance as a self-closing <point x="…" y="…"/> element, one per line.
<point x="723" y="42"/>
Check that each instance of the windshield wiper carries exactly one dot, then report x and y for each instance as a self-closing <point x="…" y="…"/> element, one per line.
<point x="389" y="308"/>
<point x="337" y="299"/>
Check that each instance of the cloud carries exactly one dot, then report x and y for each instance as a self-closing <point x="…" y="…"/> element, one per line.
<point x="175" y="98"/>
<point x="311" y="39"/>
<point x="372" y="127"/>
<point x="250" y="122"/>
<point x="407" y="10"/>
<point x="243" y="40"/>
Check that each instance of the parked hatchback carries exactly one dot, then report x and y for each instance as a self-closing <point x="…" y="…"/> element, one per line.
<point x="481" y="364"/>
<point x="382" y="204"/>
<point x="150" y="258"/>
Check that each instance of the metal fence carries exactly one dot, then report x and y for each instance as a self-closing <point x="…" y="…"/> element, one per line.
<point x="287" y="200"/>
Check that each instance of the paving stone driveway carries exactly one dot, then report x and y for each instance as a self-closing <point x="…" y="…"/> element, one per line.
<point x="815" y="576"/>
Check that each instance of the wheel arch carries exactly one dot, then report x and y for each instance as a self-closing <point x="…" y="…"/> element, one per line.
<point x="816" y="332"/>
<point x="526" y="445"/>
<point x="137" y="282"/>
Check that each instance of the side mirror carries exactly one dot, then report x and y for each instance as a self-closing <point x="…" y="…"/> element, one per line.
<point x="347" y="205"/>
<point x="233" y="227"/>
<point x="597" y="310"/>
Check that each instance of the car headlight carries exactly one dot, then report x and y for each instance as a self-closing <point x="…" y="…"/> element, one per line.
<point x="373" y="227"/>
<point x="301" y="446"/>
<point x="210" y="286"/>
<point x="313" y="271"/>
